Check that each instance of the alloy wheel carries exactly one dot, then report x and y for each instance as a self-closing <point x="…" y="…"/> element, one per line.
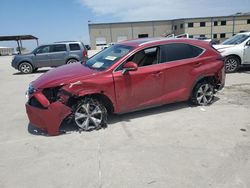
<point x="205" y="94"/>
<point x="88" y="116"/>
<point x="71" y="61"/>
<point x="25" y="68"/>
<point x="231" y="65"/>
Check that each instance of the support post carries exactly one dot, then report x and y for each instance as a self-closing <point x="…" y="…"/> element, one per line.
<point x="19" y="49"/>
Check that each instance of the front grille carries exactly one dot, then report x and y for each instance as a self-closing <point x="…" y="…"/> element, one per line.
<point x="51" y="93"/>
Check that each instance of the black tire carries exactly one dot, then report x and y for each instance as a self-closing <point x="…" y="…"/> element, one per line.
<point x="25" y="68"/>
<point x="231" y="64"/>
<point x="203" y="93"/>
<point x="89" y="114"/>
<point x="72" y="61"/>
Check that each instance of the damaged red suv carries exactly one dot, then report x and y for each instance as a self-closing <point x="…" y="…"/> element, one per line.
<point x="128" y="76"/>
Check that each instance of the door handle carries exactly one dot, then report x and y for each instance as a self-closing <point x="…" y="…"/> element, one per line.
<point x="157" y="74"/>
<point x="197" y="64"/>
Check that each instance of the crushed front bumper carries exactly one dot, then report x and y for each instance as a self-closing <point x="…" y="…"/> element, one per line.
<point x="47" y="118"/>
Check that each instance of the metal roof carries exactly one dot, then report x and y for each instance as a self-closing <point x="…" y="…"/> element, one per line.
<point x="17" y="37"/>
<point x="172" y="20"/>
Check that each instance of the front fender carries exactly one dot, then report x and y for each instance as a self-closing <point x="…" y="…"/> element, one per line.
<point x="239" y="51"/>
<point x="29" y="60"/>
<point x="83" y="89"/>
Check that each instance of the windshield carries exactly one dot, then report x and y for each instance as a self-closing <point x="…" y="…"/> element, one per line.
<point x="108" y="57"/>
<point x="237" y="39"/>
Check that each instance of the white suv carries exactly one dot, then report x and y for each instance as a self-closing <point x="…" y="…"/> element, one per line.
<point x="236" y="51"/>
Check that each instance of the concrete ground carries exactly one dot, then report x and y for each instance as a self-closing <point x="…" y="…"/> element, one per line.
<point x="174" y="146"/>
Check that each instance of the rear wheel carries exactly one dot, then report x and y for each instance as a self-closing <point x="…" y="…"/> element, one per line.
<point x="90" y="114"/>
<point x="71" y="61"/>
<point x="203" y="93"/>
<point x="25" y="68"/>
<point x="231" y="64"/>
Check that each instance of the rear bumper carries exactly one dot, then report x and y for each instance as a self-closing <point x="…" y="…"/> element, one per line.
<point x="48" y="119"/>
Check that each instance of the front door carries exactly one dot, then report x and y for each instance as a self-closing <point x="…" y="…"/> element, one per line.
<point x="41" y="56"/>
<point x="247" y="53"/>
<point x="143" y="87"/>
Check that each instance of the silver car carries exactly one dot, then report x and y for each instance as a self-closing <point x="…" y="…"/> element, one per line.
<point x="50" y="55"/>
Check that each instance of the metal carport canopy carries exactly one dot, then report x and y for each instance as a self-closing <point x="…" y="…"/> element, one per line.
<point x="18" y="38"/>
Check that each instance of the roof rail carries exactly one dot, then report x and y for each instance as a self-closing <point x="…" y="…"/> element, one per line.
<point x="152" y="41"/>
<point x="65" y="41"/>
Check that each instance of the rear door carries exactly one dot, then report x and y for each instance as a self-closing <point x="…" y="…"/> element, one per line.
<point x="179" y="61"/>
<point x="58" y="54"/>
<point x="143" y="87"/>
<point x="41" y="56"/>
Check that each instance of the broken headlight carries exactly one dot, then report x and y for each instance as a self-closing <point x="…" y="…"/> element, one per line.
<point x="30" y="91"/>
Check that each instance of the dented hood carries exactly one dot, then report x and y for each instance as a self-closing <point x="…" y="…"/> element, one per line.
<point x="62" y="75"/>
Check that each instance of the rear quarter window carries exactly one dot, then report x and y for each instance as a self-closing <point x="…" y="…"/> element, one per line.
<point x="74" y="47"/>
<point x="178" y="51"/>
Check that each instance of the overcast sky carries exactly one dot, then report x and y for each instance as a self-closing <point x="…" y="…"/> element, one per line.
<point x="57" y="20"/>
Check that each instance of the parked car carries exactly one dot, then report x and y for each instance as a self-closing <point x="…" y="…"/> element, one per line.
<point x="50" y="55"/>
<point x="236" y="51"/>
<point x="127" y="76"/>
<point x="87" y="47"/>
<point x="108" y="45"/>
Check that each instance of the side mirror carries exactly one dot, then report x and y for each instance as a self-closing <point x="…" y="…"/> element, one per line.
<point x="129" y="66"/>
<point x="34" y="53"/>
<point x="248" y="43"/>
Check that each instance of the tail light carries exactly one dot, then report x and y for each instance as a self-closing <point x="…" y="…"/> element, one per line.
<point x="85" y="53"/>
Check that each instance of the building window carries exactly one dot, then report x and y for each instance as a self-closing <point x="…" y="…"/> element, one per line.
<point x="191" y="36"/>
<point x="202" y="24"/>
<point x="181" y="26"/>
<point x="223" y="35"/>
<point x="202" y="35"/>
<point x="248" y="21"/>
<point x="215" y="36"/>
<point x="223" y="22"/>
<point x="142" y="35"/>
<point x="215" y="23"/>
<point x="175" y="27"/>
<point x="190" y="24"/>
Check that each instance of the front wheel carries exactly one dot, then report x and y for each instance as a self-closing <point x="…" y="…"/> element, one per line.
<point x="203" y="93"/>
<point x="25" y="68"/>
<point x="90" y="114"/>
<point x="231" y="64"/>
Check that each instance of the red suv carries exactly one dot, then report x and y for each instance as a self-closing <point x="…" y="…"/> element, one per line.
<point x="127" y="76"/>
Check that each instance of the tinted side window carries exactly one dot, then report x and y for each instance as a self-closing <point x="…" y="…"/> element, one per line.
<point x="74" y="47"/>
<point x="178" y="51"/>
<point x="58" y="48"/>
<point x="43" y="49"/>
<point x="145" y="57"/>
<point x="196" y="51"/>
